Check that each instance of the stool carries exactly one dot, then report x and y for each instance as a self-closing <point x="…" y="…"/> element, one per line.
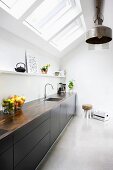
<point x="87" y="109"/>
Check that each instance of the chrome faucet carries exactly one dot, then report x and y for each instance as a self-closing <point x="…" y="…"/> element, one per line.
<point x="45" y="89"/>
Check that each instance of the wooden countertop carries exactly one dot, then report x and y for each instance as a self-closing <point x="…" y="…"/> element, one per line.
<point x="29" y="112"/>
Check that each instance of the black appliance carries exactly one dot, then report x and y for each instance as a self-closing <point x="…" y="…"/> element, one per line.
<point x="61" y="88"/>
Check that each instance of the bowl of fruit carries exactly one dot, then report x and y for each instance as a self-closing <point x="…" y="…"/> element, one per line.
<point x="13" y="103"/>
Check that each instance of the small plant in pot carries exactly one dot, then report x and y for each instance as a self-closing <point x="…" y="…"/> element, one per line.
<point x="44" y="69"/>
<point x="71" y="86"/>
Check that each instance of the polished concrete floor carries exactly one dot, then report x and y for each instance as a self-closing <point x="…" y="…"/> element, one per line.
<point x="85" y="145"/>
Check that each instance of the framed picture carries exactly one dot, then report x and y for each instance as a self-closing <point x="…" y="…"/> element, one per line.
<point x="31" y="63"/>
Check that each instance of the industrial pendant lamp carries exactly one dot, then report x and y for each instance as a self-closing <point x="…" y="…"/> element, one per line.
<point x="99" y="34"/>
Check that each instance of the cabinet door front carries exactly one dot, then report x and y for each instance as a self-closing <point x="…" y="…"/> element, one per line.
<point x="25" y="145"/>
<point x="70" y="107"/>
<point x="32" y="160"/>
<point x="6" y="160"/>
<point x="63" y="115"/>
<point x="55" y="123"/>
<point x="6" y="153"/>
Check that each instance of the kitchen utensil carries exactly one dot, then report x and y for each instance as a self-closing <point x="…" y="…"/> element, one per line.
<point x="20" y="67"/>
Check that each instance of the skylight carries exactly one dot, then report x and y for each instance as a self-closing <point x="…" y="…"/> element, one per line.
<point x="57" y="14"/>
<point x="16" y="7"/>
<point x="73" y="31"/>
<point x="59" y="22"/>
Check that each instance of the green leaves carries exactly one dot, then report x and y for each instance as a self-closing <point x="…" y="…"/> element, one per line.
<point x="45" y="67"/>
<point x="71" y="85"/>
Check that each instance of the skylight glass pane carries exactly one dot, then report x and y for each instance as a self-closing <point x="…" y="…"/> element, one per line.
<point x="16" y="7"/>
<point x="53" y="28"/>
<point x="68" y="35"/>
<point x="9" y="3"/>
<point x="51" y="16"/>
<point x="46" y="11"/>
<point x="67" y="31"/>
<point x="63" y="43"/>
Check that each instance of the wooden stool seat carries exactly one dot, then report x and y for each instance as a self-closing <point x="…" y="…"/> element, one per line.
<point x="87" y="106"/>
<point x="87" y="109"/>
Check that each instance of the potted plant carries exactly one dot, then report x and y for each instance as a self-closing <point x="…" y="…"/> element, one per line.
<point x="44" y="69"/>
<point x="71" y="86"/>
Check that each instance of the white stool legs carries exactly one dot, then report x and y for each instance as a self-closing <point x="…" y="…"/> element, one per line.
<point x="87" y="114"/>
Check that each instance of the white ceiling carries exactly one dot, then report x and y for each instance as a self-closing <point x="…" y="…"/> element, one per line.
<point x="16" y="27"/>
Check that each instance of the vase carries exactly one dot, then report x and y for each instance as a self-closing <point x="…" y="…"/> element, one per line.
<point x="44" y="71"/>
<point x="7" y="110"/>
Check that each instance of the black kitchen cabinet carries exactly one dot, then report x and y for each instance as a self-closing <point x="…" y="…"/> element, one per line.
<point x="31" y="138"/>
<point x="31" y="161"/>
<point x="6" y="160"/>
<point x="67" y="110"/>
<point x="60" y="116"/>
<point x="55" y="124"/>
<point x="6" y="153"/>
<point x="23" y="147"/>
<point x="29" y="127"/>
<point x="63" y="115"/>
<point x="70" y="103"/>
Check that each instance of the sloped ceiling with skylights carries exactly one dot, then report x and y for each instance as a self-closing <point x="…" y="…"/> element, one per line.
<point x="55" y="24"/>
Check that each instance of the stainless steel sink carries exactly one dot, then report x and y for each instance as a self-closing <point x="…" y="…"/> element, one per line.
<point x="53" y="99"/>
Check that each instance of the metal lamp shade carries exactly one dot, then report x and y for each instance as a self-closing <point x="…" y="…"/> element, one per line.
<point x="99" y="35"/>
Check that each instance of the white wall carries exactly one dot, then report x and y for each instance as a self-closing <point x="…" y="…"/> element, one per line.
<point x="93" y="74"/>
<point x="12" y="51"/>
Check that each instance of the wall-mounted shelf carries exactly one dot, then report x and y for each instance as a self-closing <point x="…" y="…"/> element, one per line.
<point x="29" y="74"/>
